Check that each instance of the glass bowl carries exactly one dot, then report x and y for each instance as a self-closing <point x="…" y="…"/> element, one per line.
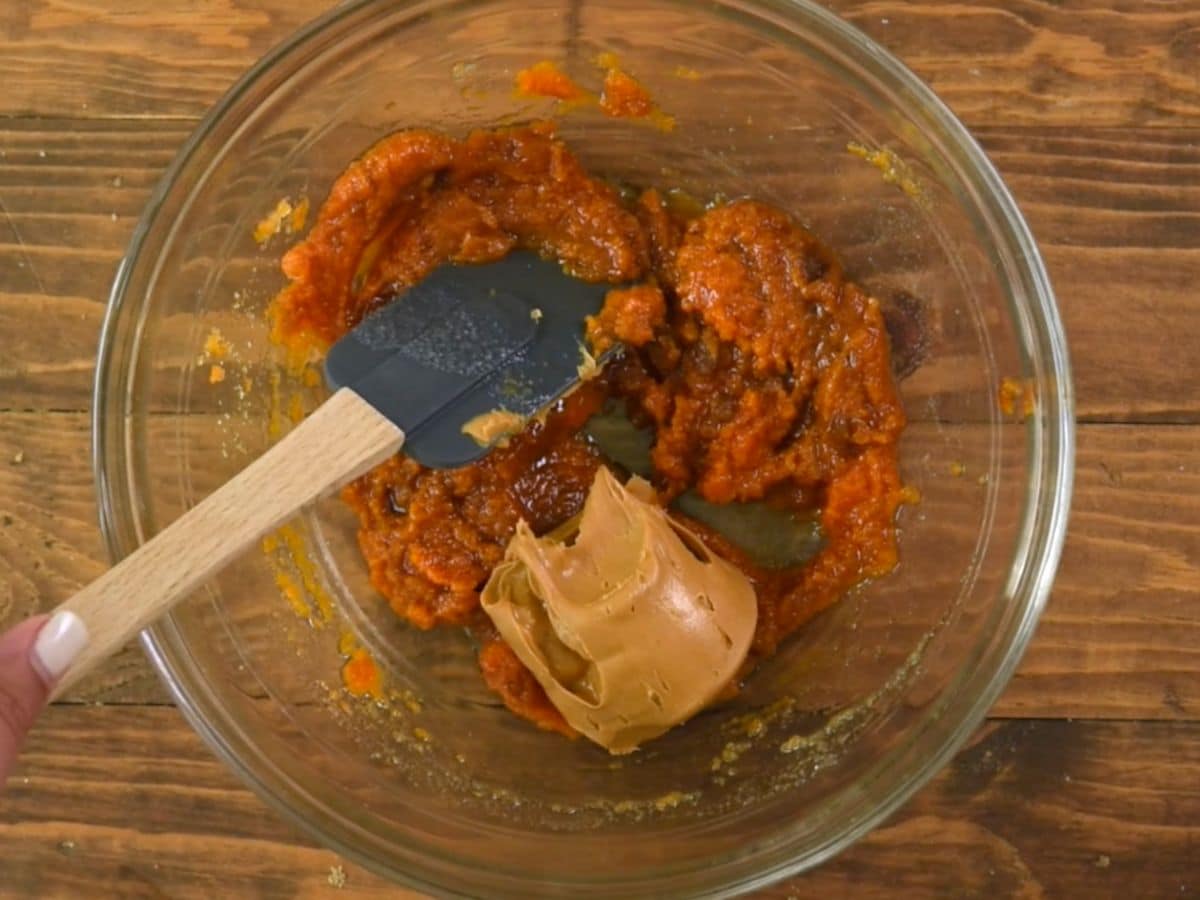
<point x="431" y="782"/>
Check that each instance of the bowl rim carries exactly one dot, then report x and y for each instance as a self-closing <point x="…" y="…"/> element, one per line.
<point x="1044" y="525"/>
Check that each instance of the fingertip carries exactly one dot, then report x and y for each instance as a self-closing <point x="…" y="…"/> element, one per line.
<point x="58" y="645"/>
<point x="23" y="689"/>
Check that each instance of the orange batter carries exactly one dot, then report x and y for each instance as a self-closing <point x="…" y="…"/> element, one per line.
<point x="621" y="95"/>
<point x="762" y="372"/>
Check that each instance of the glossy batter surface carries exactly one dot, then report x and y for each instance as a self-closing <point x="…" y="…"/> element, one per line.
<point x="763" y="374"/>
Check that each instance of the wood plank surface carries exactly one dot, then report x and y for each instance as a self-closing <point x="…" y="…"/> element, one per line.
<point x="1116" y="213"/>
<point x="50" y="543"/>
<point x="1084" y="782"/>
<point x="1083" y="62"/>
<point x="1062" y="62"/>
<point x="1120" y="638"/>
<point x="95" y="59"/>
<point x="131" y="797"/>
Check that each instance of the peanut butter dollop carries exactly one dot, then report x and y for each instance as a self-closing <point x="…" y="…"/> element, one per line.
<point x="627" y="620"/>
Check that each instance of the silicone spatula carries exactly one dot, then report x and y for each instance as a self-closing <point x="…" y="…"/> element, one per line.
<point x="466" y="341"/>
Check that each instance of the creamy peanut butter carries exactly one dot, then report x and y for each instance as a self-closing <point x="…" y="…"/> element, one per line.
<point x="493" y="427"/>
<point x="624" y="616"/>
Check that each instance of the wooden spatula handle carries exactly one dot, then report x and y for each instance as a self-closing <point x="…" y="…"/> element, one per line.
<point x="341" y="440"/>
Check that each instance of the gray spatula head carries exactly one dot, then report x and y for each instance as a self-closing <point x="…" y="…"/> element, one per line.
<point x="466" y="341"/>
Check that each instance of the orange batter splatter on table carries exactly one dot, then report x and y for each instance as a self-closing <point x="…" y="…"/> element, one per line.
<point x="762" y="372"/>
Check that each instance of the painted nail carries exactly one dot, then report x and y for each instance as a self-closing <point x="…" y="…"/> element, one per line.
<point x="58" y="644"/>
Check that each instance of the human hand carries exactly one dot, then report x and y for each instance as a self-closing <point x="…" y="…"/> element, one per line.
<point x="33" y="656"/>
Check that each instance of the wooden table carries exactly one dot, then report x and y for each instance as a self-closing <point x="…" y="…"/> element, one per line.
<point x="1085" y="782"/>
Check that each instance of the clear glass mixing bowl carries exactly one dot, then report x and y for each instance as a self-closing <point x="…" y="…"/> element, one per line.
<point x="433" y="784"/>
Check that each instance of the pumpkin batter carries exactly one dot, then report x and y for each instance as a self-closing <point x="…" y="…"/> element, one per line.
<point x="762" y="372"/>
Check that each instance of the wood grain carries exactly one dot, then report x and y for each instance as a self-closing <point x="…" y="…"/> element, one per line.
<point x="97" y="59"/>
<point x="1120" y="637"/>
<point x="1091" y="111"/>
<point x="1116" y="212"/>
<point x="1075" y="63"/>
<point x="1039" y="809"/>
<point x="1117" y="216"/>
<point x="70" y="195"/>
<point x="342" y="439"/>
<point x="1124" y="608"/>
<point x="131" y="797"/>
<point x="50" y="544"/>
<point x="1017" y="61"/>
<point x="175" y="823"/>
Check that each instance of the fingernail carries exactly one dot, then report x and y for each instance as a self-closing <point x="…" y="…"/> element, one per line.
<point x="58" y="644"/>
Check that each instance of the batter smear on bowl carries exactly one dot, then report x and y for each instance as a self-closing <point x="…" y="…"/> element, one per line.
<point x="761" y="373"/>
